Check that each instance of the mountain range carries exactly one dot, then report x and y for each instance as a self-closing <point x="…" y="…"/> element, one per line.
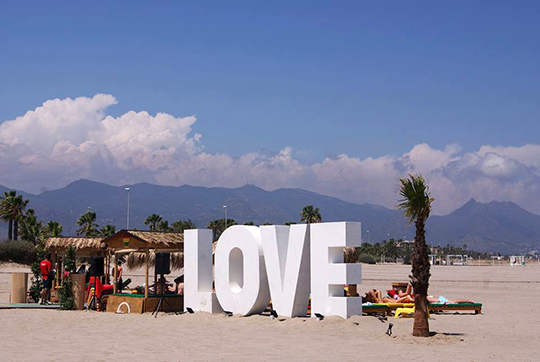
<point x="492" y="227"/>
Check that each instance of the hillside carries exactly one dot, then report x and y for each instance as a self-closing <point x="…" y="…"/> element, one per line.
<point x="495" y="226"/>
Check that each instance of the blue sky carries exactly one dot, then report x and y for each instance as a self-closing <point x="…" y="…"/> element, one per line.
<point x="322" y="77"/>
<point x="363" y="79"/>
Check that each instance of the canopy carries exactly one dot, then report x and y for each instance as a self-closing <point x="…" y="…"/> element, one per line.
<point x="83" y="245"/>
<point x="137" y="240"/>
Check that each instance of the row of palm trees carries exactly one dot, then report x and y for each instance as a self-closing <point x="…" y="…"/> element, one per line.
<point x="22" y="221"/>
<point x="156" y="222"/>
<point x="88" y="226"/>
<point x="12" y="210"/>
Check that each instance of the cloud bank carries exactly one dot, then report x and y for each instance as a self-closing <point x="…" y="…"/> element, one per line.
<point x="68" y="139"/>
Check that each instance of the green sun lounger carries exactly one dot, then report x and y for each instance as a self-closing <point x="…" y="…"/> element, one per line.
<point x="376" y="309"/>
<point x="437" y="307"/>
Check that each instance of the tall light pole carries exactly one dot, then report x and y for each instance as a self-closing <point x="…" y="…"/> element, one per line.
<point x="127" y="189"/>
<point x="225" y="207"/>
<point x="368" y="236"/>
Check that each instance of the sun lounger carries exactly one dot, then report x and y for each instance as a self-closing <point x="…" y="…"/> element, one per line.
<point x="376" y="309"/>
<point x="438" y="307"/>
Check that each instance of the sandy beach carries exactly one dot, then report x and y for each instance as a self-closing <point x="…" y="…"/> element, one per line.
<point x="507" y="330"/>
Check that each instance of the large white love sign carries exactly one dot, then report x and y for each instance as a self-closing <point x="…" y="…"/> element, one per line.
<point x="284" y="263"/>
<point x="241" y="282"/>
<point x="198" y="293"/>
<point x="286" y="253"/>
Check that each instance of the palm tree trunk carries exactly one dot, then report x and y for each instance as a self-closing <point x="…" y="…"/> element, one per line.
<point x="420" y="281"/>
<point x="15" y="229"/>
<point x="10" y="229"/>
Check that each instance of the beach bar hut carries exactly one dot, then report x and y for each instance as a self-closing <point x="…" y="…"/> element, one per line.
<point x="85" y="247"/>
<point x="147" y="243"/>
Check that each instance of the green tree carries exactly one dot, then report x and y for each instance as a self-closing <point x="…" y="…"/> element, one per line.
<point x="310" y="214"/>
<point x="267" y="224"/>
<point x="164" y="226"/>
<point x="12" y="210"/>
<point x="67" y="300"/>
<point x="249" y="223"/>
<point x="218" y="226"/>
<point x="87" y="223"/>
<point x="35" y="288"/>
<point x="153" y="221"/>
<point x="289" y="223"/>
<point x="180" y="225"/>
<point x="30" y="228"/>
<point x="5" y="210"/>
<point x="107" y="230"/>
<point x="416" y="204"/>
<point x="18" y="214"/>
<point x="52" y="229"/>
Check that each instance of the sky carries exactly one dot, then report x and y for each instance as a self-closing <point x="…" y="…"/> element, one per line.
<point x="341" y="98"/>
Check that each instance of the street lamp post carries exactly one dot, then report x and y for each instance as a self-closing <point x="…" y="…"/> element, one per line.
<point x="368" y="236"/>
<point x="225" y="207"/>
<point x="127" y="189"/>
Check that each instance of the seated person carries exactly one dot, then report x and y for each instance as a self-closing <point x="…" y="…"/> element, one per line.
<point x="163" y="287"/>
<point x="397" y="293"/>
<point x="179" y="285"/>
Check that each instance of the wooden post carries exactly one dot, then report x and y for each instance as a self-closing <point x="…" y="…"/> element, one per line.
<point x="115" y="286"/>
<point x="147" y="255"/>
<point x="108" y="266"/>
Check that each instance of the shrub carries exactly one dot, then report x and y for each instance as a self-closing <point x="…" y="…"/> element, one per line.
<point x="367" y="259"/>
<point x="35" y="288"/>
<point x="20" y="251"/>
<point x="67" y="300"/>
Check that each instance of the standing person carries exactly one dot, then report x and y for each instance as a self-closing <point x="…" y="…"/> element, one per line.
<point x="47" y="277"/>
<point x="119" y="281"/>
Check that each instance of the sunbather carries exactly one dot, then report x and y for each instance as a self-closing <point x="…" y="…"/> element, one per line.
<point x="400" y="294"/>
<point x="443" y="300"/>
<point x="375" y="296"/>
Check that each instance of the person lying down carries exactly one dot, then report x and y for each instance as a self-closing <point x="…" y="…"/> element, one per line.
<point x="375" y="296"/>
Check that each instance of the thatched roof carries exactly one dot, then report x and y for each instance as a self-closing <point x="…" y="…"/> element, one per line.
<point x="79" y="242"/>
<point x="138" y="260"/>
<point x="139" y="239"/>
<point x="159" y="237"/>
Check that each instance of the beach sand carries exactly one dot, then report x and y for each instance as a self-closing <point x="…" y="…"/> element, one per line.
<point x="508" y="329"/>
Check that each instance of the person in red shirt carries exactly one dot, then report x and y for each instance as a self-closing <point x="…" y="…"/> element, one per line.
<point x="47" y="277"/>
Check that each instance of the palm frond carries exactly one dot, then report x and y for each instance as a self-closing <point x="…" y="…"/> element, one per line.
<point x="416" y="199"/>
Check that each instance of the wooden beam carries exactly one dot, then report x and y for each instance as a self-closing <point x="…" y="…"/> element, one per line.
<point x="147" y="254"/>
<point x="115" y="287"/>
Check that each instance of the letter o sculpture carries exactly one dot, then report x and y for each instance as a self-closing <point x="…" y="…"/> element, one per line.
<point x="240" y="274"/>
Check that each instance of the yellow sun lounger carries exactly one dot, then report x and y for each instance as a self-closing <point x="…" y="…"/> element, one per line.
<point x="405" y="311"/>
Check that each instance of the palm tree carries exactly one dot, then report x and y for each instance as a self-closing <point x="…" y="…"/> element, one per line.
<point x="30" y="228"/>
<point x="181" y="225"/>
<point x="17" y="207"/>
<point x="218" y="226"/>
<point x="5" y="210"/>
<point x="416" y="204"/>
<point x="107" y="230"/>
<point x="164" y="226"/>
<point x="310" y="215"/>
<point x="153" y="220"/>
<point x="12" y="208"/>
<point x="53" y="229"/>
<point x="87" y="223"/>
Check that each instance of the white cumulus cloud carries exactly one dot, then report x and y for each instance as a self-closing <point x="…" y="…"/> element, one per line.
<point x="68" y="139"/>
